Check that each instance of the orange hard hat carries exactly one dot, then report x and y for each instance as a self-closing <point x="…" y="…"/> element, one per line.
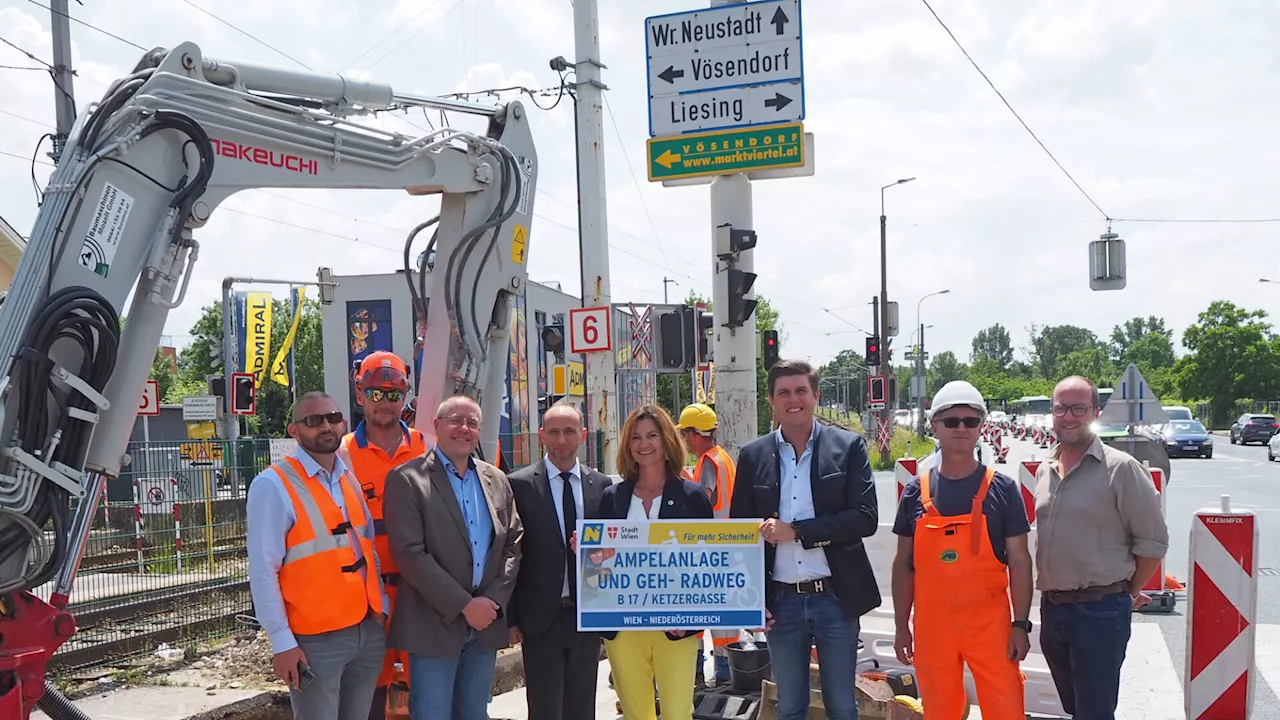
<point x="383" y="369"/>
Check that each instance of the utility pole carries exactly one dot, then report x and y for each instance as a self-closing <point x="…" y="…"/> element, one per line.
<point x="593" y="222"/>
<point x="735" y="348"/>
<point x="666" y="281"/>
<point x="886" y="365"/>
<point x="64" y="102"/>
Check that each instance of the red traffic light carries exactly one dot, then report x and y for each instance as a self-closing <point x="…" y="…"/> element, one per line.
<point x="770" y="342"/>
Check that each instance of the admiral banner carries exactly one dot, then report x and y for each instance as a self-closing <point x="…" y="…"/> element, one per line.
<point x="670" y="575"/>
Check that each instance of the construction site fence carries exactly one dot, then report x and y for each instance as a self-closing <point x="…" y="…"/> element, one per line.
<point x="166" y="562"/>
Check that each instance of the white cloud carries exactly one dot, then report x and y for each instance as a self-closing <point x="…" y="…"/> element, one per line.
<point x="1159" y="109"/>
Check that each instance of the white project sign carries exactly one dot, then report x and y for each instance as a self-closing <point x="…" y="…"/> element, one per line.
<point x="733" y="66"/>
<point x="670" y="575"/>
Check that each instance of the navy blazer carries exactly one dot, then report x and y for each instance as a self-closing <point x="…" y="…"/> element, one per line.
<point x="844" y="501"/>
<point x="680" y="500"/>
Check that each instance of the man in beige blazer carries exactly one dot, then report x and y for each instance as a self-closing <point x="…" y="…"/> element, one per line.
<point x="454" y="533"/>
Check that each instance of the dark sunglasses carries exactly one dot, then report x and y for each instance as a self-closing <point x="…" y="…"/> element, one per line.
<point x="315" y="421"/>
<point x="954" y="422"/>
<point x="378" y="395"/>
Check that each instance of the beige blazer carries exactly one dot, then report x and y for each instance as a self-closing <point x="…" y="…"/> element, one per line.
<point x="429" y="542"/>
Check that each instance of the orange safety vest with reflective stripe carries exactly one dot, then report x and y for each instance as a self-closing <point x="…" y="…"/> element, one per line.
<point x="370" y="464"/>
<point x="325" y="588"/>
<point x="726" y="471"/>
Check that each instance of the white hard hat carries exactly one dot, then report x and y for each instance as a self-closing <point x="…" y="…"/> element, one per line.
<point x="955" y="393"/>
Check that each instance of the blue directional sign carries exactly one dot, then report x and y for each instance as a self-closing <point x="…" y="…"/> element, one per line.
<point x="725" y="67"/>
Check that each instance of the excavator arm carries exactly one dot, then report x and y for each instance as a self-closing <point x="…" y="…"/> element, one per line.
<point x="142" y="171"/>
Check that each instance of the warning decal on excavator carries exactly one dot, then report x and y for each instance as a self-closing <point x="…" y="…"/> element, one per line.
<point x="103" y="238"/>
<point x="519" y="244"/>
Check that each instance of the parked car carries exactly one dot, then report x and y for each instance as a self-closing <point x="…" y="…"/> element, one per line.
<point x="1253" y="427"/>
<point x="1186" y="438"/>
<point x="1273" y="448"/>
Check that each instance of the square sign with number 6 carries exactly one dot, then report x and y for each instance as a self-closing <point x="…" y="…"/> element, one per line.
<point x="589" y="330"/>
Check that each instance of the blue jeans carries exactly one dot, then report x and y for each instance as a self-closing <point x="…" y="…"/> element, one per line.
<point x="801" y="622"/>
<point x="454" y="688"/>
<point x="1084" y="646"/>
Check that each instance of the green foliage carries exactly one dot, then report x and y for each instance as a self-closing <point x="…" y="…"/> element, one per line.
<point x="945" y="367"/>
<point x="1234" y="355"/>
<point x="993" y="343"/>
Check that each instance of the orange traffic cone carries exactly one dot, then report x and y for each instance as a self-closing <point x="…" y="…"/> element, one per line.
<point x="1171" y="582"/>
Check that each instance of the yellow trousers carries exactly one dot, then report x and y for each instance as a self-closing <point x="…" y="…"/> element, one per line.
<point x="638" y="658"/>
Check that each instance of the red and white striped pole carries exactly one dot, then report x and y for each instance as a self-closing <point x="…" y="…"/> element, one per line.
<point x="903" y="471"/>
<point x="1222" y="603"/>
<point x="1027" y="483"/>
<point x="1157" y="581"/>
<point x="177" y="524"/>
<point x="137" y="522"/>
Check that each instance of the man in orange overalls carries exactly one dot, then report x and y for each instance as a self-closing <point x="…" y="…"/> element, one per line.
<point x="379" y="443"/>
<point x="962" y="553"/>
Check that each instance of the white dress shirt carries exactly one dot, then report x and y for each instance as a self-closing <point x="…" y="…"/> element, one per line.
<point x="557" y="498"/>
<point x="793" y="563"/>
<point x="635" y="511"/>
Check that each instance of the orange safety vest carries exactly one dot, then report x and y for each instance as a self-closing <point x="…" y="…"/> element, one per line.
<point x="962" y="613"/>
<point x="726" y="471"/>
<point x="370" y="465"/>
<point x="325" y="588"/>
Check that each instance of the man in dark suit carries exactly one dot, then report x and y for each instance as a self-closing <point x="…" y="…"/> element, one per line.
<point x="560" y="663"/>
<point x="812" y="486"/>
<point x="454" y="532"/>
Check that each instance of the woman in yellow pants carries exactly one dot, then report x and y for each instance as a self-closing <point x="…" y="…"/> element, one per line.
<point x="649" y="461"/>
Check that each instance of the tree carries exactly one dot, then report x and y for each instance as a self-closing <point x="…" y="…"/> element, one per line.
<point x="1150" y="352"/>
<point x="1050" y="344"/>
<point x="993" y="343"/>
<point x="1090" y="361"/>
<point x="1233" y="355"/>
<point x="1133" y="330"/>
<point x="944" y="368"/>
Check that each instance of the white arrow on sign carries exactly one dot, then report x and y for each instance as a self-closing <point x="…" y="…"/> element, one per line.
<point x="727" y="108"/>
<point x="1134" y="403"/>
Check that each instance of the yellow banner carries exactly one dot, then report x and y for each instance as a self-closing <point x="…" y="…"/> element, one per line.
<point x="280" y="368"/>
<point x="257" y="334"/>
<point x="720" y="532"/>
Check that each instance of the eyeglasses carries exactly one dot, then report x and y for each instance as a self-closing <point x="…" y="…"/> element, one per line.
<point x="458" y="421"/>
<point x="1075" y="410"/>
<point x="954" y="422"/>
<point x="378" y="395"/>
<point x="315" y="421"/>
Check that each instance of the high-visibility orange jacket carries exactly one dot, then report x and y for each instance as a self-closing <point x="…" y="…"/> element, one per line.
<point x="726" y="471"/>
<point x="325" y="588"/>
<point x="370" y="464"/>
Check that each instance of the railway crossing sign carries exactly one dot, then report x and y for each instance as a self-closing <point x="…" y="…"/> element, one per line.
<point x="725" y="67"/>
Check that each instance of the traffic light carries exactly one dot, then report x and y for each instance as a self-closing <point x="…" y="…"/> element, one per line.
<point x="244" y="394"/>
<point x="325" y="277"/>
<point x="216" y="357"/>
<point x="553" y="341"/>
<point x="671" y="340"/>
<point x="740" y="307"/>
<point x="730" y="241"/>
<point x="876" y="390"/>
<point x="770" y="348"/>
<point x="217" y="385"/>
<point x="702" y="322"/>
<point x="873" y="351"/>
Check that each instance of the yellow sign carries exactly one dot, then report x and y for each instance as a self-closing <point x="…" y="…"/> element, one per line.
<point x="519" y="244"/>
<point x="706" y="390"/>
<point x="257" y="335"/>
<point x="591" y="534"/>
<point x="558" y="384"/>
<point x="200" y="453"/>
<point x="202" y="430"/>
<point x="577" y="379"/>
<point x="280" y="368"/>
<point x="721" y="532"/>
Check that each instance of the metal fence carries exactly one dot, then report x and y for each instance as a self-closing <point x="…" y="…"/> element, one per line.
<point x="166" y="559"/>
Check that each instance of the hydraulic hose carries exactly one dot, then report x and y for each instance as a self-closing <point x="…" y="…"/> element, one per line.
<point x="57" y="706"/>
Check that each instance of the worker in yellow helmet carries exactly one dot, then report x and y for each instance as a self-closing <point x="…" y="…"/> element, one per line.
<point x="714" y="470"/>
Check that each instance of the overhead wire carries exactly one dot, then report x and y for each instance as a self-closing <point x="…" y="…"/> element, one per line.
<point x="416" y="33"/>
<point x="622" y="145"/>
<point x="391" y="34"/>
<point x="261" y="42"/>
<point x="88" y="25"/>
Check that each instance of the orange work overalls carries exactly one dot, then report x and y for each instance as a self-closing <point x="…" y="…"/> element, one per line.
<point x="962" y="614"/>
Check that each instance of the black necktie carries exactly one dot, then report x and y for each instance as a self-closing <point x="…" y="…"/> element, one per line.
<point x="570" y="524"/>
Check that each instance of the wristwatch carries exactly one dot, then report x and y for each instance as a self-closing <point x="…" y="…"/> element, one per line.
<point x="1023" y="625"/>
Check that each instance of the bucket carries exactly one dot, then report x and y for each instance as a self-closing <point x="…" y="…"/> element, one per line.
<point x="749" y="668"/>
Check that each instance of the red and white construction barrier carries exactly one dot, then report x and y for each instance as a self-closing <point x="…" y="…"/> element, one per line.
<point x="1222" y="603"/>
<point x="903" y="470"/>
<point x="1001" y="450"/>
<point x="1027" y="483"/>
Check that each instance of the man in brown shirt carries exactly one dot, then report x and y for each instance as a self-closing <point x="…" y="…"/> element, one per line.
<point x="1100" y="537"/>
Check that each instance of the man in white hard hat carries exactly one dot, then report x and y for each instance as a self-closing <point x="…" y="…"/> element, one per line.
<point x="962" y="554"/>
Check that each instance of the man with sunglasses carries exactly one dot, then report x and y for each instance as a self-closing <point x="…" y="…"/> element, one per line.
<point x="313" y="571"/>
<point x="455" y="534"/>
<point x="380" y="442"/>
<point x="962" y="555"/>
<point x="1100" y="536"/>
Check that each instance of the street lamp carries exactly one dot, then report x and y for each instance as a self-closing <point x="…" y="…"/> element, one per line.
<point x="920" y="365"/>
<point x="1264" y="280"/>
<point x="885" y="366"/>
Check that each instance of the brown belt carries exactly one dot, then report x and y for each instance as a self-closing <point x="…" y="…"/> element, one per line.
<point x="1092" y="594"/>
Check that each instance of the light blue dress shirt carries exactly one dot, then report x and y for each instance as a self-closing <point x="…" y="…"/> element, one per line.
<point x="793" y="563"/>
<point x="270" y="516"/>
<point x="475" y="512"/>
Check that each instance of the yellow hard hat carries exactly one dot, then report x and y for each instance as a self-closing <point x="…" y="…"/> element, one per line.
<point x="697" y="417"/>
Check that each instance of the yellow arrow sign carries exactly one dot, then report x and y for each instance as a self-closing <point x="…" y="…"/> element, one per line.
<point x="667" y="158"/>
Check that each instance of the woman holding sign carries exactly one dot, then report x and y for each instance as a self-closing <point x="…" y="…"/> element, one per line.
<point x="650" y="461"/>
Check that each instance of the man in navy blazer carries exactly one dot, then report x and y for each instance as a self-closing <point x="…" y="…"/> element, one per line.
<point x="812" y="487"/>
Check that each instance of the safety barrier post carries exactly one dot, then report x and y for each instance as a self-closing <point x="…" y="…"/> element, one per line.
<point x="1222" y="603"/>
<point x="903" y="470"/>
<point x="177" y="525"/>
<point x="1027" y="483"/>
<point x="137" y="523"/>
<point x="208" y="517"/>
<point x="1162" y="598"/>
